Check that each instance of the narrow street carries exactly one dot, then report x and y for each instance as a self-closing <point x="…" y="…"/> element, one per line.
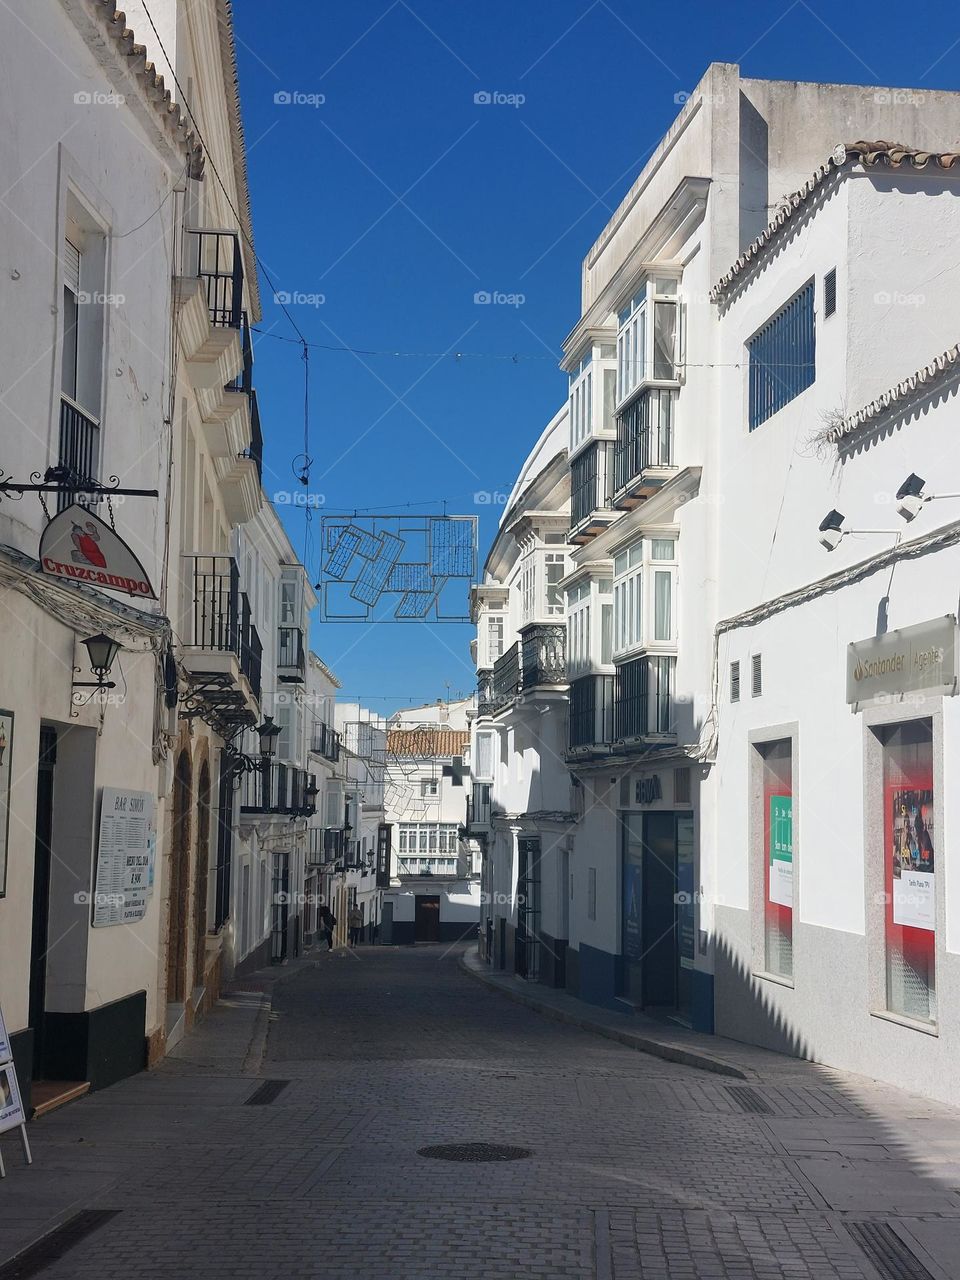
<point x="638" y="1167"/>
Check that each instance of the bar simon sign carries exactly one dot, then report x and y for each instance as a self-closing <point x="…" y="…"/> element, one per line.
<point x="919" y="659"/>
<point x="78" y="545"/>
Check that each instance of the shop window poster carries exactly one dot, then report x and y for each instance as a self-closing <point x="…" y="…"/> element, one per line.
<point x="914" y="900"/>
<point x="781" y="850"/>
<point x="6" y="751"/>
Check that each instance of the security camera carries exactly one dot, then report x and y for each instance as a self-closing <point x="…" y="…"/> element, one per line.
<point x="910" y="497"/>
<point x="831" y="530"/>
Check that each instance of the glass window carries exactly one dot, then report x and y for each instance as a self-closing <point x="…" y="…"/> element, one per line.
<point x="555" y="572"/>
<point x="664" y="340"/>
<point x="606" y="633"/>
<point x="776" y="760"/>
<point x="909" y="874"/>
<point x="662" y="548"/>
<point x="662" y="590"/>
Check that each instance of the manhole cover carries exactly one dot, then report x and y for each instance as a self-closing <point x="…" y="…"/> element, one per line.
<point x="474" y="1152"/>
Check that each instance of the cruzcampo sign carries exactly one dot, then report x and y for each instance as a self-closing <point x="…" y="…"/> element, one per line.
<point x="920" y="659"/>
<point x="76" y="544"/>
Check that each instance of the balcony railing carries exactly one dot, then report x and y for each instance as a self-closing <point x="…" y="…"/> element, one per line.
<point x="537" y="659"/>
<point x="506" y="682"/>
<point x="478" y="806"/>
<point x="217" y="261"/>
<point x="325" y="741"/>
<point x="590" y="481"/>
<point x="644" y="435"/>
<point x="219" y="617"/>
<point x="645" y="703"/>
<point x="243" y="382"/>
<point x="543" y="648"/>
<point x="290" y="654"/>
<point x="324" y="846"/>
<point x="276" y="788"/>
<point x="485" y="698"/>
<point x="591" y="711"/>
<point x="79" y="454"/>
<point x="251" y="649"/>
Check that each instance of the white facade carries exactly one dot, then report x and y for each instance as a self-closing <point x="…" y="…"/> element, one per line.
<point x="435" y="868"/>
<point x="689" y="531"/>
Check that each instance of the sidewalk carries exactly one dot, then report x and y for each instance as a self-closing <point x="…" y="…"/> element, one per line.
<point x="637" y="1031"/>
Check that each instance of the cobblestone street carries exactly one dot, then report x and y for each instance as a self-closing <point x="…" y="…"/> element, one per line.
<point x="639" y="1167"/>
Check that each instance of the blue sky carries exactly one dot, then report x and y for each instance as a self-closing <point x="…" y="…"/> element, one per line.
<point x="386" y="207"/>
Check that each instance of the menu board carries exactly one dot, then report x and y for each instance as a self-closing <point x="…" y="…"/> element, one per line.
<point x="126" y="851"/>
<point x="11" y="1104"/>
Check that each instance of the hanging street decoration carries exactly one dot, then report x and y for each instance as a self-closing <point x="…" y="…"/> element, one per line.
<point x="396" y="568"/>
<point x="78" y="545"/>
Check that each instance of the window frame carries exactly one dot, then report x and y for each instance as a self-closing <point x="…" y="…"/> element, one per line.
<point x="795" y="322"/>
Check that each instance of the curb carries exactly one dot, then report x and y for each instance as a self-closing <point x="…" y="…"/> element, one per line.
<point x="698" y="1058"/>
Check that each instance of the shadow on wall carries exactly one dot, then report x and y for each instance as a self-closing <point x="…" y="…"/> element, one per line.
<point x="748" y="1014"/>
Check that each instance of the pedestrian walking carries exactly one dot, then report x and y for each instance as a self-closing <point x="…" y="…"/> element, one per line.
<point x="328" y="922"/>
<point x="355" y="923"/>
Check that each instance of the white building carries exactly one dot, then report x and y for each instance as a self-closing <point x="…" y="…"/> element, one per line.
<point x="522" y="801"/>
<point x="90" y="221"/>
<point x="435" y="866"/>
<point x="691" y="536"/>
<point x="836" y="917"/>
<point x="273" y="801"/>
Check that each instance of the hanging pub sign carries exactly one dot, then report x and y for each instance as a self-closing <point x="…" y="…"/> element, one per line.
<point x="78" y="545"/>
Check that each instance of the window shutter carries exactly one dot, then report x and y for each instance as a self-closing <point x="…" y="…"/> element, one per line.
<point x="71" y="266"/>
<point x="734" y="681"/>
<point x="756" y="675"/>
<point x="830" y="292"/>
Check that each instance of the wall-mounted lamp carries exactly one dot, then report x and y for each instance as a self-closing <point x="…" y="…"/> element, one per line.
<point x="911" y="497"/>
<point x="832" y="531"/>
<point x="102" y="651"/>
<point x="268" y="733"/>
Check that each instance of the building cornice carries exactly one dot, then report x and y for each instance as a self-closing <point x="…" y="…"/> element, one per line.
<point x="940" y="368"/>
<point x="844" y="157"/>
<point x="104" y="29"/>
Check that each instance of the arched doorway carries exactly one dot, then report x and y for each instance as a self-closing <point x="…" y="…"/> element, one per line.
<point x="179" y="882"/>
<point x="203" y="871"/>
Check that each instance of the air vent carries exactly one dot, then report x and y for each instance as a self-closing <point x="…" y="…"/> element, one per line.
<point x="756" y="675"/>
<point x="681" y="786"/>
<point x="52" y="1247"/>
<point x="749" y="1100"/>
<point x="830" y="292"/>
<point x="888" y="1253"/>
<point x="734" y="681"/>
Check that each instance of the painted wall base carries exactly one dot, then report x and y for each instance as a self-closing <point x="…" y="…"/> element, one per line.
<point x="101" y="1045"/>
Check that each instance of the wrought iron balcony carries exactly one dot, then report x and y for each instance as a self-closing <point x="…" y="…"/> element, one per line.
<point x="79" y="454"/>
<point x="544" y="655"/>
<point x="217" y="261"/>
<point x="276" y="788"/>
<point x="506" y="680"/>
<point x="536" y="660"/>
<point x="644" y="446"/>
<point x="645" y="702"/>
<point x="220" y="651"/>
<point x="485" y="699"/>
<point x="325" y="741"/>
<point x="291" y="659"/>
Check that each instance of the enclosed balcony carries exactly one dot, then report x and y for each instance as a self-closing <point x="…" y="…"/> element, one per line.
<point x="479" y="808"/>
<point x="324" y="846"/>
<point x="220" y="649"/>
<point x="591" y="492"/>
<point x="644" y="699"/>
<point x="644" y="454"/>
<point x="291" y="658"/>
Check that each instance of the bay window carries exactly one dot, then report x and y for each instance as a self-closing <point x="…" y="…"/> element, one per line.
<point x="648" y="337"/>
<point x="541" y="573"/>
<point x="593" y="394"/>
<point x="644" y="582"/>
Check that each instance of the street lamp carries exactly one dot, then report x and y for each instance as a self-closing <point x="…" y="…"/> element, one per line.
<point x="268" y="733"/>
<point x="102" y="651"/>
<point x="911" y="497"/>
<point x="832" y="532"/>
